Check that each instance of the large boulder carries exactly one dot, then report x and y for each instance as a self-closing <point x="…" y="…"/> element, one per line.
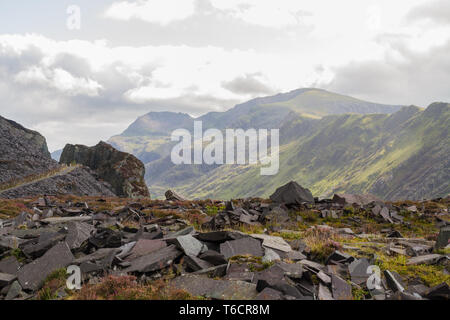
<point x="292" y="193"/>
<point x="123" y="171"/>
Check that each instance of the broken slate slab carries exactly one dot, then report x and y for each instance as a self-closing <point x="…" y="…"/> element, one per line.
<point x="443" y="238"/>
<point x="358" y="270"/>
<point x="78" y="233"/>
<point x="272" y="242"/>
<point x="196" y="264"/>
<point x="6" y="279"/>
<point x="144" y="247"/>
<point x="240" y="247"/>
<point x="341" y="290"/>
<point x="190" y="245"/>
<point x="154" y="261"/>
<point x="32" y="275"/>
<point x="215" y="289"/>
<point x="270" y="255"/>
<point x="269" y="294"/>
<point x="9" y="265"/>
<point x="213" y="257"/>
<point x="426" y="259"/>
<point x="57" y="220"/>
<point x="324" y="293"/>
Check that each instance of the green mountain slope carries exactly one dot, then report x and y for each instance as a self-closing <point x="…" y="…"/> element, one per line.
<point x="329" y="143"/>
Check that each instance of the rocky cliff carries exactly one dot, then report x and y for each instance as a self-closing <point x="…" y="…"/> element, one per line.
<point x="123" y="171"/>
<point x="23" y="152"/>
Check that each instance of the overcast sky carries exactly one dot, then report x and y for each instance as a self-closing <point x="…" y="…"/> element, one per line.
<point x="196" y="56"/>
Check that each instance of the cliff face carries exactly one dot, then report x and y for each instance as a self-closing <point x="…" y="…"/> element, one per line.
<point x="123" y="171"/>
<point x="23" y="152"/>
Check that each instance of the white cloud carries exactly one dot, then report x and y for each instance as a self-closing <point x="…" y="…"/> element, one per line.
<point x="59" y="79"/>
<point x="155" y="11"/>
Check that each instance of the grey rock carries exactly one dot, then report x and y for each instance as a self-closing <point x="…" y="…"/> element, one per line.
<point x="270" y="255"/>
<point x="324" y="293"/>
<point x="9" y="265"/>
<point x="292" y="193"/>
<point x="213" y="257"/>
<point x="394" y="281"/>
<point x="6" y="279"/>
<point x="78" y="233"/>
<point x="196" y="264"/>
<point x="190" y="245"/>
<point x="14" y="291"/>
<point x="358" y="270"/>
<point x="244" y="246"/>
<point x="155" y="261"/>
<point x="32" y="275"/>
<point x="144" y="247"/>
<point x="220" y="236"/>
<point x="269" y="294"/>
<point x="215" y="289"/>
<point x="426" y="259"/>
<point x="273" y="242"/>
<point x="340" y="288"/>
<point x="443" y="237"/>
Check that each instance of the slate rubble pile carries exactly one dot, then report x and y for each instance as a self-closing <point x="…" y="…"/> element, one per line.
<point x="219" y="263"/>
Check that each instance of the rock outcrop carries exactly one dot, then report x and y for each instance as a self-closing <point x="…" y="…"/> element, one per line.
<point x="23" y="152"/>
<point x="292" y="193"/>
<point x="123" y="171"/>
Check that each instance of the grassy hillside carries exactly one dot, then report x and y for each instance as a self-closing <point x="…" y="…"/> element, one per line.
<point x="329" y="143"/>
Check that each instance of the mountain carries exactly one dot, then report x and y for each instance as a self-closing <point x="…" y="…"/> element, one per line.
<point x="329" y="142"/>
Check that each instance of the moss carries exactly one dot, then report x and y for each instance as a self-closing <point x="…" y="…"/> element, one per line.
<point x="359" y="293"/>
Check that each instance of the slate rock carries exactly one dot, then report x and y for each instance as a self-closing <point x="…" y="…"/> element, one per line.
<point x="78" y="233"/>
<point x="443" y="239"/>
<point x="394" y="281"/>
<point x="441" y="291"/>
<point x="269" y="294"/>
<point x="32" y="275"/>
<point x="173" y="196"/>
<point x="273" y="242"/>
<point x="341" y="290"/>
<point x="291" y="194"/>
<point x="14" y="291"/>
<point x="244" y="246"/>
<point x="9" y="265"/>
<point x="196" y="264"/>
<point x="154" y="261"/>
<point x="106" y="238"/>
<point x="324" y="293"/>
<point x="358" y="270"/>
<point x="270" y="255"/>
<point x="144" y="247"/>
<point x="6" y="279"/>
<point x="216" y="289"/>
<point x="213" y="257"/>
<point x="426" y="259"/>
<point x="190" y="245"/>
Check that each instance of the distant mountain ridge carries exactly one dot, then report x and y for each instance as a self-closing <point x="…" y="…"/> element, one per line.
<point x="329" y="143"/>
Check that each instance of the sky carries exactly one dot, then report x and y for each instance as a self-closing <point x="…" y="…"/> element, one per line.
<point x="127" y="58"/>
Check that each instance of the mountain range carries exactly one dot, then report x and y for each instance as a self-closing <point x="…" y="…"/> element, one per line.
<point x="328" y="142"/>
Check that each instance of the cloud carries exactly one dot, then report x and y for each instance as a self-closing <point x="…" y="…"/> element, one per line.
<point x="155" y="11"/>
<point x="402" y="77"/>
<point x="248" y="84"/>
<point x="435" y="11"/>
